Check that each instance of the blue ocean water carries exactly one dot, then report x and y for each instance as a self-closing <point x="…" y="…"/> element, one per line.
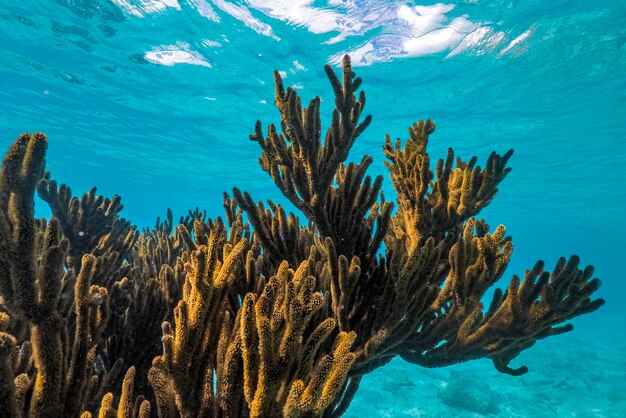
<point x="154" y="100"/>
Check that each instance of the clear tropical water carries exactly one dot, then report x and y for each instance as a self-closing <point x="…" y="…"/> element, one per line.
<point x="154" y="100"/>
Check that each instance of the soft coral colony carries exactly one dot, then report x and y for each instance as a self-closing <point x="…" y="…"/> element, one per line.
<point x="255" y="315"/>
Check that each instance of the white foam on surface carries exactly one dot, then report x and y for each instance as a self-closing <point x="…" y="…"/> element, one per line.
<point x="390" y="30"/>
<point x="170" y="55"/>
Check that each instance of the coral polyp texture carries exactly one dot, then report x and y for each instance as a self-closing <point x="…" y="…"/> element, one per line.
<point x="254" y="314"/>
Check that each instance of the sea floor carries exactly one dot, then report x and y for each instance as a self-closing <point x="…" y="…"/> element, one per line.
<point x="580" y="374"/>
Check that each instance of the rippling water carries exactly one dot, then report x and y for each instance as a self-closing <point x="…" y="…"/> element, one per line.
<point x="154" y="100"/>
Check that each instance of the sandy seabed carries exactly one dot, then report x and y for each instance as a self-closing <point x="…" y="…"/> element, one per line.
<point x="580" y="374"/>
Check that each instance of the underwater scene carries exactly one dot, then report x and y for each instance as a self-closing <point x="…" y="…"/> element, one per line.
<point x="302" y="208"/>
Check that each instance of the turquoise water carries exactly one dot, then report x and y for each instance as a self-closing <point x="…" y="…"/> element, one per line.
<point x="154" y="100"/>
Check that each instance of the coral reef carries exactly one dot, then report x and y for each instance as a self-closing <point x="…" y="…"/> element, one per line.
<point x="255" y="315"/>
